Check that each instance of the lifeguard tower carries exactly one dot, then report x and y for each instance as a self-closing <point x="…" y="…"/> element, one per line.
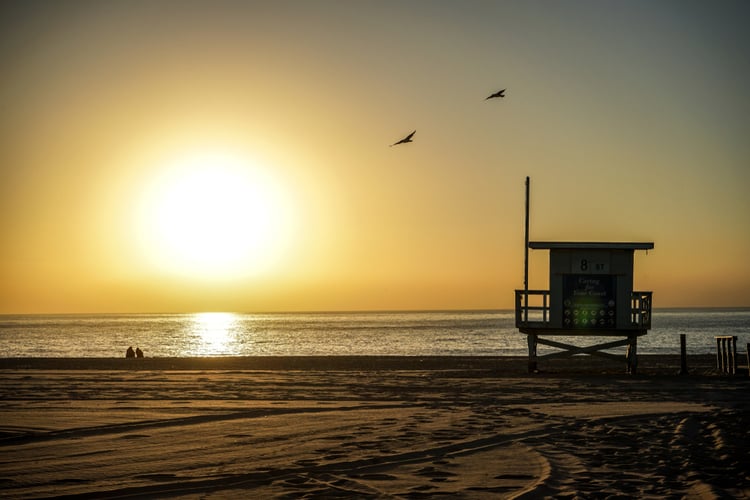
<point x="590" y="294"/>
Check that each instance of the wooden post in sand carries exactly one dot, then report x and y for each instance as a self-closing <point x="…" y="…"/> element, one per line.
<point x="726" y="354"/>
<point x="532" y="339"/>
<point x="683" y="355"/>
<point x="631" y="355"/>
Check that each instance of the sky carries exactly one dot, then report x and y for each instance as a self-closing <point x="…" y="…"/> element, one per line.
<point x="184" y="156"/>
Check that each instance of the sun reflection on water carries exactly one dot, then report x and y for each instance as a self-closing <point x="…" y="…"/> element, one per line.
<point x="215" y="333"/>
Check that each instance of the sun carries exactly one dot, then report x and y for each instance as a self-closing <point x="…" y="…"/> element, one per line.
<point x="214" y="215"/>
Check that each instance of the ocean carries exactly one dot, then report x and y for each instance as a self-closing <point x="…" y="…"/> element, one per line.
<point x="438" y="333"/>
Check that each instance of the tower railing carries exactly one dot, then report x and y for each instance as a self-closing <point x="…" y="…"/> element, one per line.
<point x="640" y="310"/>
<point x="533" y="309"/>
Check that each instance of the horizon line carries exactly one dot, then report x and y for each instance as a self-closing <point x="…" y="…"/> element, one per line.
<point x="340" y="311"/>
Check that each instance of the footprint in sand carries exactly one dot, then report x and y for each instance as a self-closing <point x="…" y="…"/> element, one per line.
<point x="520" y="477"/>
<point x="435" y="474"/>
<point x="375" y="477"/>
<point x="306" y="462"/>
<point x="423" y="488"/>
<point x="158" y="477"/>
<point x="296" y="480"/>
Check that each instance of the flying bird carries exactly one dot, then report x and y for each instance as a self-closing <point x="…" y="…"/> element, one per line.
<point x="404" y="140"/>
<point x="499" y="93"/>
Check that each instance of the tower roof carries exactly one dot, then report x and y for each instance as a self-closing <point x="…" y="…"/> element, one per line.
<point x="591" y="245"/>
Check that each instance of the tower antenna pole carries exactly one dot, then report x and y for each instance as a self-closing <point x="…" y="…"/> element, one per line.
<point x="526" y="255"/>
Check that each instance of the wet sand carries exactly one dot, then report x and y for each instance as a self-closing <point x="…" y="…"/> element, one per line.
<point x="370" y="427"/>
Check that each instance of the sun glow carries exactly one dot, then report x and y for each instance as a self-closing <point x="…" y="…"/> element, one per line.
<point x="214" y="215"/>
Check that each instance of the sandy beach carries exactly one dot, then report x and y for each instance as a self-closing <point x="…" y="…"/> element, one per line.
<point x="369" y="427"/>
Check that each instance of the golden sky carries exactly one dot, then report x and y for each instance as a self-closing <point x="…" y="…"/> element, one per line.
<point x="161" y="156"/>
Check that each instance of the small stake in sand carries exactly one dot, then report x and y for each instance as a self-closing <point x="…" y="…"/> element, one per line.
<point x="683" y="355"/>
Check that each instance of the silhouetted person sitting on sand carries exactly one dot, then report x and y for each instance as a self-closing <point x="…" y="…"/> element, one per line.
<point x="130" y="353"/>
<point x="138" y="352"/>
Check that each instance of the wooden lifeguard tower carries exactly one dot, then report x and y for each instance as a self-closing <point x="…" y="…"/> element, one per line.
<point x="590" y="295"/>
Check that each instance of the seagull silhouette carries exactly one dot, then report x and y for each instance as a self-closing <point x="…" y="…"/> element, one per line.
<point x="405" y="139"/>
<point x="499" y="93"/>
